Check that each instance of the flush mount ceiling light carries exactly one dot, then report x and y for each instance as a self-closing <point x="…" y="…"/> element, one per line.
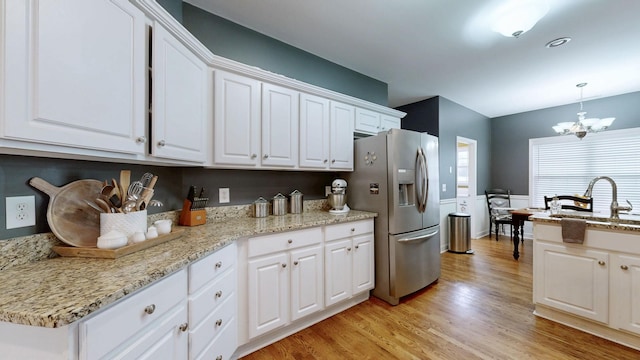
<point x="583" y="126"/>
<point x="516" y="17"/>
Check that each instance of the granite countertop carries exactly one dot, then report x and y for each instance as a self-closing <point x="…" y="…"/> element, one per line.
<point x="594" y="220"/>
<point x="59" y="291"/>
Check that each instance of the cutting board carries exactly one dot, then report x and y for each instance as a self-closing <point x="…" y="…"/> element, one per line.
<point x="70" y="218"/>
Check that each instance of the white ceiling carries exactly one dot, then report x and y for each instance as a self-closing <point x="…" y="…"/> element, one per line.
<point x="425" y="48"/>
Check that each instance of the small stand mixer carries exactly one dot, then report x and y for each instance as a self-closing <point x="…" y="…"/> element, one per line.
<point x="338" y="197"/>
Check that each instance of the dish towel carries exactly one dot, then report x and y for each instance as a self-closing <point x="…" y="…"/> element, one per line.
<point x="573" y="230"/>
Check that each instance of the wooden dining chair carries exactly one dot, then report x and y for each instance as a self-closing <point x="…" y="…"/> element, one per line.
<point x="571" y="202"/>
<point x="498" y="198"/>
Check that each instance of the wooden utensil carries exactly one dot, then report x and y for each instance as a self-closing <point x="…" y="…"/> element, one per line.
<point x="125" y="180"/>
<point x="69" y="216"/>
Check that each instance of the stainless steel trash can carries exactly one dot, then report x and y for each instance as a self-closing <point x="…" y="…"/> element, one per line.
<point x="460" y="233"/>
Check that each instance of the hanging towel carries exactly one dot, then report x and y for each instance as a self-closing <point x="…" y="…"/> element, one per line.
<point x="573" y="230"/>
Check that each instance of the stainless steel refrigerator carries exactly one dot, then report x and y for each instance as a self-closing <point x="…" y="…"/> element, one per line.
<point x="396" y="175"/>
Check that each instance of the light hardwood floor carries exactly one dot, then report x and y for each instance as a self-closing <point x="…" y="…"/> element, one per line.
<point x="480" y="308"/>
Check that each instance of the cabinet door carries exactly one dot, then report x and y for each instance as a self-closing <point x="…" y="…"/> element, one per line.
<point x="338" y="267"/>
<point x="237" y="119"/>
<point x="389" y="122"/>
<point x="180" y="93"/>
<point x="572" y="279"/>
<point x="279" y="126"/>
<point x="306" y="281"/>
<point x="268" y="291"/>
<point x="367" y="121"/>
<point x="625" y="293"/>
<point x="362" y="263"/>
<point x="75" y="74"/>
<point x="314" y="132"/>
<point x="341" y="150"/>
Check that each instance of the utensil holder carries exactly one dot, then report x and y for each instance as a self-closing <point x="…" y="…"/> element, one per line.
<point x="127" y="224"/>
<point x="190" y="217"/>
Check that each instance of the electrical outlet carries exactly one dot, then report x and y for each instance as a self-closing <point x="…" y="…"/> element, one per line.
<point x="223" y="195"/>
<point x="20" y="211"/>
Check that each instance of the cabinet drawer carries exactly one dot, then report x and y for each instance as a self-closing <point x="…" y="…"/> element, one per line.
<point x="339" y="231"/>
<point x="118" y="323"/>
<point x="208" y="268"/>
<point x="214" y="325"/>
<point x="208" y="298"/>
<point x="224" y="345"/>
<point x="283" y="241"/>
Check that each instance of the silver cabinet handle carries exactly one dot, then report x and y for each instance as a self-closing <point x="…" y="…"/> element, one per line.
<point x="161" y="143"/>
<point x="219" y="293"/>
<point x="624" y="267"/>
<point x="184" y="327"/>
<point x="265" y="156"/>
<point x="357" y="246"/>
<point x="295" y="262"/>
<point x="284" y="266"/>
<point x="290" y="241"/>
<point x="353" y="229"/>
<point x="218" y="264"/>
<point x="333" y="161"/>
<point x="141" y="140"/>
<point x="150" y="309"/>
<point x="325" y="161"/>
<point x="348" y="249"/>
<point x="601" y="263"/>
<point x="219" y="357"/>
<point x="253" y="156"/>
<point x="218" y="322"/>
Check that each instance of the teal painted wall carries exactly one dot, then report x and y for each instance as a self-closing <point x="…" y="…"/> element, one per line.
<point x="511" y="134"/>
<point x="232" y="41"/>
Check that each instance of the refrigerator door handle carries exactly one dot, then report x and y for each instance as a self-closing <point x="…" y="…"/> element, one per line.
<point x="421" y="180"/>
<point x="419" y="237"/>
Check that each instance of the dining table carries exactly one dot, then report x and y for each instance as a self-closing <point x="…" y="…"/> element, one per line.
<point x="518" y="217"/>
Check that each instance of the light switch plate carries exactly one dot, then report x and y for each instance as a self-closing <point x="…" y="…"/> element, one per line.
<point x="20" y="211"/>
<point x="223" y="195"/>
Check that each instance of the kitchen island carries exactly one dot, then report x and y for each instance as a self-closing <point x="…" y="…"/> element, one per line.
<point x="593" y="286"/>
<point x="48" y="298"/>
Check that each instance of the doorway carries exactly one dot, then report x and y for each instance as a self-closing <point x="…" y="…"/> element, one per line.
<point x="466" y="188"/>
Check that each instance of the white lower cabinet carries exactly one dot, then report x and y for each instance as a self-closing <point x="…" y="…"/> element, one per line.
<point x="149" y="324"/>
<point x="284" y="278"/>
<point x="625" y="292"/>
<point x="594" y="286"/>
<point x="573" y="279"/>
<point x="349" y="265"/>
<point x="213" y="305"/>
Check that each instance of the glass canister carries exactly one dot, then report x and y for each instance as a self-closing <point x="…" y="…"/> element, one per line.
<point x="279" y="204"/>
<point x="261" y="207"/>
<point x="295" y="202"/>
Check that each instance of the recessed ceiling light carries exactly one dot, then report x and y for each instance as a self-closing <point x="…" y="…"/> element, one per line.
<point x="558" y="42"/>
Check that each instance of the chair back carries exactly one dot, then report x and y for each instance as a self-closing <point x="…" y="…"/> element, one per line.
<point x="498" y="198"/>
<point x="571" y="202"/>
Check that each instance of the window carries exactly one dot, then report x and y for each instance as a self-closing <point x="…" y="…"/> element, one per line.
<point x="564" y="165"/>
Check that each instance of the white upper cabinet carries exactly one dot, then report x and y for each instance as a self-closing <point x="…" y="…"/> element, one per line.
<point x="326" y="134"/>
<point x="237" y="119"/>
<point x="314" y="131"/>
<point x="370" y="122"/>
<point x="182" y="86"/>
<point x="74" y="74"/>
<point x="341" y="149"/>
<point x="280" y="119"/>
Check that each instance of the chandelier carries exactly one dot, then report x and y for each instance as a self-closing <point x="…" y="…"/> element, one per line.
<point x="583" y="126"/>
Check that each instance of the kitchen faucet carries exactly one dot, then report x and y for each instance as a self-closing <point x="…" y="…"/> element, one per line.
<point x="615" y="208"/>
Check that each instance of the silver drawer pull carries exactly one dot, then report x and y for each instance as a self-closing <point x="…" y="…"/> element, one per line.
<point x="353" y="229"/>
<point x="284" y="266"/>
<point x="141" y="140"/>
<point x="184" y="327"/>
<point x="150" y="309"/>
<point x="624" y="267"/>
<point x="161" y="143"/>
<point x="601" y="263"/>
<point x="219" y="294"/>
<point x="295" y="262"/>
<point x="290" y="241"/>
<point x="218" y="322"/>
<point x="348" y="249"/>
<point x="357" y="246"/>
<point x="218" y="264"/>
<point x="219" y="357"/>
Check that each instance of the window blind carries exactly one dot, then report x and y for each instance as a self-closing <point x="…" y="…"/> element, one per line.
<point x="564" y="165"/>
